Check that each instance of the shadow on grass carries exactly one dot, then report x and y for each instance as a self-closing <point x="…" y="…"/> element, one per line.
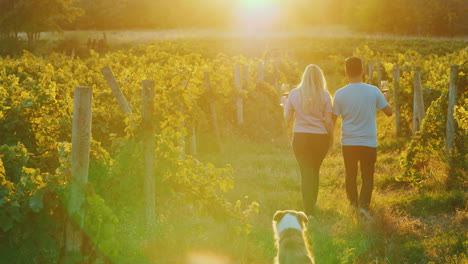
<point x="434" y="203"/>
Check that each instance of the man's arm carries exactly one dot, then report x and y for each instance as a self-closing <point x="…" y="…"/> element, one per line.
<point x="387" y="110"/>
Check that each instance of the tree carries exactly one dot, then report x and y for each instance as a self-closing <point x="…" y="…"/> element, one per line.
<point x="413" y="17"/>
<point x="8" y="20"/>
<point x="35" y="16"/>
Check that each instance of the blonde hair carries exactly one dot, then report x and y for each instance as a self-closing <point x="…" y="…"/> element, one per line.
<point x="311" y="89"/>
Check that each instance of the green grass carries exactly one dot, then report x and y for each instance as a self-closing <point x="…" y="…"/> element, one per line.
<point x="426" y="225"/>
<point x="405" y="228"/>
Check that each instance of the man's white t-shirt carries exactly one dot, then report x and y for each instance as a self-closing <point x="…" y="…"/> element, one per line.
<point x="357" y="104"/>
<point x="309" y="122"/>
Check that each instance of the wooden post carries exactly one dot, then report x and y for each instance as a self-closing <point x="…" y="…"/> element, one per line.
<point x="147" y="113"/>
<point x="418" y="103"/>
<point x="238" y="86"/>
<point x="182" y="132"/>
<point x="260" y="78"/>
<point x="276" y="77"/>
<point x="266" y="65"/>
<point x="246" y="76"/>
<point x="396" y="99"/>
<point x="452" y="101"/>
<point x="193" y="124"/>
<point x="363" y="61"/>
<point x="410" y="60"/>
<point x="107" y="72"/>
<point x="266" y="72"/>
<point x="214" y="117"/>
<point x="276" y="85"/>
<point x="193" y="140"/>
<point x="371" y="71"/>
<point x="452" y="126"/>
<point x="379" y="74"/>
<point x="81" y="141"/>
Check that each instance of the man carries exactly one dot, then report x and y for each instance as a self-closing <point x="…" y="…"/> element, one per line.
<point x="356" y="103"/>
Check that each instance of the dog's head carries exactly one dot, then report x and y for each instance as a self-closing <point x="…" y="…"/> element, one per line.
<point x="290" y="240"/>
<point x="285" y="219"/>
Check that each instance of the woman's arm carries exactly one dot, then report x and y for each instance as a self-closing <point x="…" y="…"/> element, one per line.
<point x="288" y="111"/>
<point x="288" y="115"/>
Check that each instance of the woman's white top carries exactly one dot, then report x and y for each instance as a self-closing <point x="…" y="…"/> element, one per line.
<point x="309" y="122"/>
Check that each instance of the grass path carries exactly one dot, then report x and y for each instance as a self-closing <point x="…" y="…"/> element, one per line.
<point x="409" y="226"/>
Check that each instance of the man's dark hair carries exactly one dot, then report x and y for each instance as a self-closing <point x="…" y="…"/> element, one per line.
<point x="353" y="66"/>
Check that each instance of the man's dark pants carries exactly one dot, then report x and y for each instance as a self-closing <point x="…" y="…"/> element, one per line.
<point x="366" y="157"/>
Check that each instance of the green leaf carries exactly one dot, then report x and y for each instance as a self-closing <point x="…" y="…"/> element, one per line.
<point x="35" y="202"/>
<point x="2" y="201"/>
<point x="72" y="257"/>
<point x="8" y="255"/>
<point x="6" y="222"/>
<point x="15" y="212"/>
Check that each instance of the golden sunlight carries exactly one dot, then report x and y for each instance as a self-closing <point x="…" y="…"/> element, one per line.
<point x="255" y="3"/>
<point x="257" y="15"/>
<point x="200" y="257"/>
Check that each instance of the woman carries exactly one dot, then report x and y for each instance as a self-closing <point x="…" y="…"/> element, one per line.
<point x="310" y="105"/>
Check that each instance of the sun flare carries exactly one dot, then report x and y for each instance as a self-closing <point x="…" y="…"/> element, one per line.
<point x="255" y="15"/>
<point x="255" y="3"/>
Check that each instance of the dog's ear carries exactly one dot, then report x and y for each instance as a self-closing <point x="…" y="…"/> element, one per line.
<point x="302" y="217"/>
<point x="278" y="216"/>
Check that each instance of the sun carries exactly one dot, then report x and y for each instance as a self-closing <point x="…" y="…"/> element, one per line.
<point x="255" y="3"/>
<point x="257" y="15"/>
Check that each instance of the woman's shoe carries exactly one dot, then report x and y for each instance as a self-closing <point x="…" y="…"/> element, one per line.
<point x="363" y="212"/>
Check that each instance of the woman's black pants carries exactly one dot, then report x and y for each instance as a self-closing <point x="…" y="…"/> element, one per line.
<point x="310" y="150"/>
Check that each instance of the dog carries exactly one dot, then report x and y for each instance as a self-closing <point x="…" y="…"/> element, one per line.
<point x="289" y="227"/>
